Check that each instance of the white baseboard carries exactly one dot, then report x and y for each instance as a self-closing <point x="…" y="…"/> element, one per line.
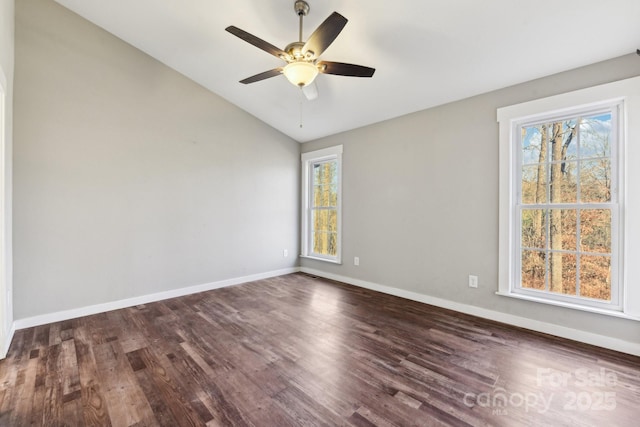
<point x="522" y="322"/>
<point x="7" y="341"/>
<point x="58" y="316"/>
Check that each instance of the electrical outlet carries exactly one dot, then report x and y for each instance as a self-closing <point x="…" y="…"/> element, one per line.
<point x="285" y="253"/>
<point x="356" y="260"/>
<point x="473" y="281"/>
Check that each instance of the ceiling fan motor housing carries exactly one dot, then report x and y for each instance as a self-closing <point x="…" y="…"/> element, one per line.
<point x="295" y="51"/>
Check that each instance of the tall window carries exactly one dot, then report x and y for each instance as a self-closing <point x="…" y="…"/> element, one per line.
<point x="321" y="198"/>
<point x="567" y="206"/>
<point x="568" y="199"/>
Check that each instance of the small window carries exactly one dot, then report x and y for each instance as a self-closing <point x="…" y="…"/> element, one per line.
<point x="321" y="198"/>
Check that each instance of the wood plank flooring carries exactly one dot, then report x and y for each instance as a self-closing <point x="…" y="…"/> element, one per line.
<point x="297" y="350"/>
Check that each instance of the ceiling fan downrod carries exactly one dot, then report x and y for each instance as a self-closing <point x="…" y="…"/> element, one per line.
<point x="294" y="49"/>
<point x="302" y="9"/>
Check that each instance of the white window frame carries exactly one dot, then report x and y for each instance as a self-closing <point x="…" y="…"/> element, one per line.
<point x="625" y="94"/>
<point x="615" y="108"/>
<point x="309" y="159"/>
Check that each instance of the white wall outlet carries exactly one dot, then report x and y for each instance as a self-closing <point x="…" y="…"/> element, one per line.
<point x="285" y="253"/>
<point x="473" y="281"/>
<point x="356" y="260"/>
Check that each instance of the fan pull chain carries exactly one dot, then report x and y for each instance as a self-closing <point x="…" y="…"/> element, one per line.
<point x="301" y="96"/>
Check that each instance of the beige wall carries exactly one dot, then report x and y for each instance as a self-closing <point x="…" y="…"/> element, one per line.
<point x="131" y="179"/>
<point x="6" y="65"/>
<point x="420" y="199"/>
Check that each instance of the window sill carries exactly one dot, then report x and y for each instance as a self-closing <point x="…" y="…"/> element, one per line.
<point x="613" y="313"/>
<point x="332" y="261"/>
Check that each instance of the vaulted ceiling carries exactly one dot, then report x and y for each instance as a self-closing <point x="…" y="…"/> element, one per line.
<point x="425" y="52"/>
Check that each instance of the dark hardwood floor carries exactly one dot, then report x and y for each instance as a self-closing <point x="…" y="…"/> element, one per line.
<point x="296" y="350"/>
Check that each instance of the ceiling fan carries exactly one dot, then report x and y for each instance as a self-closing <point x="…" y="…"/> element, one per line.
<point x="302" y="64"/>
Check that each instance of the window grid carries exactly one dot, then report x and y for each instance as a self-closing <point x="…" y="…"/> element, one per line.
<point x="323" y="208"/>
<point x="321" y="204"/>
<point x="546" y="166"/>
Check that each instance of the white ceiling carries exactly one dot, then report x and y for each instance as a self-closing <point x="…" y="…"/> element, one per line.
<point x="425" y="52"/>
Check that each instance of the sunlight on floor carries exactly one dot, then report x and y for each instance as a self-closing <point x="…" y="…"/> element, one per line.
<point x="325" y="301"/>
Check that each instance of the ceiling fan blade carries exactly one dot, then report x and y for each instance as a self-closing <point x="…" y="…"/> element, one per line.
<point x="325" y="34"/>
<point x="262" y="76"/>
<point x="257" y="42"/>
<point x="342" y="69"/>
<point x="310" y="91"/>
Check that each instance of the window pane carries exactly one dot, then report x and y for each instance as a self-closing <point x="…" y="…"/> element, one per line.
<point x="325" y="196"/>
<point x="569" y="229"/>
<point x="325" y="184"/>
<point x="595" y="230"/>
<point x="595" y="133"/>
<point x="534" y="228"/>
<point x="534" y="184"/>
<point x="325" y="220"/>
<point x="533" y="270"/>
<point x="319" y="220"/>
<point x="595" y="277"/>
<point x="317" y="195"/>
<point x="563" y="185"/>
<point x="325" y="226"/>
<point x="570" y="148"/>
<point x="562" y="273"/>
<point x="534" y="144"/>
<point x="333" y="195"/>
<point x="569" y="182"/>
<point x="324" y="172"/>
<point x="563" y="140"/>
<point x="562" y="229"/>
<point x="333" y="244"/>
<point x="320" y="243"/>
<point x="595" y="181"/>
<point x="325" y="243"/>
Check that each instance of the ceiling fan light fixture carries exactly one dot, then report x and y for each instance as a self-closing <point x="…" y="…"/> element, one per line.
<point x="301" y="57"/>
<point x="300" y="73"/>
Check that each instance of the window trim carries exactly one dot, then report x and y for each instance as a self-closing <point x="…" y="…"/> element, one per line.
<point x="624" y="92"/>
<point x="312" y="157"/>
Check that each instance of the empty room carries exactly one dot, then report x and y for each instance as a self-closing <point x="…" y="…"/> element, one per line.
<point x="286" y="213"/>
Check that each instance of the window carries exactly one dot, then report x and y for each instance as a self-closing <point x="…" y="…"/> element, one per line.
<point x="563" y="239"/>
<point x="566" y="206"/>
<point x="321" y="200"/>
